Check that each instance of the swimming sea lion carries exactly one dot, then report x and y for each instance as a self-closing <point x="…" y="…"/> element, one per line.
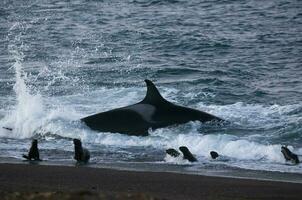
<point x="80" y="154"/>
<point x="214" y="154"/>
<point x="289" y="156"/>
<point x="172" y="152"/>
<point x="7" y="128"/>
<point x="33" y="152"/>
<point x="187" y="154"/>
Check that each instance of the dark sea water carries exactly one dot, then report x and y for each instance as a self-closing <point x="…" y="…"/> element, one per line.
<point x="239" y="60"/>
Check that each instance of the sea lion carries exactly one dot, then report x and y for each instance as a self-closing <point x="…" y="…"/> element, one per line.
<point x="80" y="154"/>
<point x="172" y="152"/>
<point x="187" y="154"/>
<point x="33" y="152"/>
<point x="214" y="154"/>
<point x="7" y="128"/>
<point x="289" y="156"/>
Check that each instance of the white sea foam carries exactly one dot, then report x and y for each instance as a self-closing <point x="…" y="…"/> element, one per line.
<point x="176" y="160"/>
<point x="200" y="145"/>
<point x="29" y="107"/>
<point x="250" y="113"/>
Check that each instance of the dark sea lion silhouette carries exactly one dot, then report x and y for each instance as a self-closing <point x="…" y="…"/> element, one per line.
<point x="152" y="112"/>
<point x="7" y="128"/>
<point x="187" y="155"/>
<point x="214" y="154"/>
<point x="173" y="152"/>
<point x="33" y="152"/>
<point x="289" y="156"/>
<point x="80" y="154"/>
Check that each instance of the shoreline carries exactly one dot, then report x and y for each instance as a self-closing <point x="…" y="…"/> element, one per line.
<point x="229" y="172"/>
<point x="26" y="178"/>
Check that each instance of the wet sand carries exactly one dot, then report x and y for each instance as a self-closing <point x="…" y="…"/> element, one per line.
<point x="18" y="181"/>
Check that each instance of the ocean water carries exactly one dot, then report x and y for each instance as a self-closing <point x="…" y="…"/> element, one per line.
<point x="239" y="60"/>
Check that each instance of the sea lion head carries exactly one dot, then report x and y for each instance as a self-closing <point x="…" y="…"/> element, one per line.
<point x="34" y="143"/>
<point x="172" y="152"/>
<point x="187" y="154"/>
<point x="77" y="142"/>
<point x="214" y="154"/>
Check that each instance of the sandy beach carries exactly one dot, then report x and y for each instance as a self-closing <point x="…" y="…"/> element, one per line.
<point x="18" y="181"/>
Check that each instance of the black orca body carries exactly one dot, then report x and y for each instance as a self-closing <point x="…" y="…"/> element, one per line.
<point x="152" y="112"/>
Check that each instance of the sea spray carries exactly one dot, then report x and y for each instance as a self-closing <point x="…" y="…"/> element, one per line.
<point x="26" y="116"/>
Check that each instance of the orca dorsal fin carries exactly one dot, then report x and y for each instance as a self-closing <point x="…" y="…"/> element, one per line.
<point x="153" y="96"/>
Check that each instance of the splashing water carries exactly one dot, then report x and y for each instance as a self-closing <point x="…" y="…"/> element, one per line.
<point x="26" y="116"/>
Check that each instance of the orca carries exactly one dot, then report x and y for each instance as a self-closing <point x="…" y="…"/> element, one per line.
<point x="151" y="113"/>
